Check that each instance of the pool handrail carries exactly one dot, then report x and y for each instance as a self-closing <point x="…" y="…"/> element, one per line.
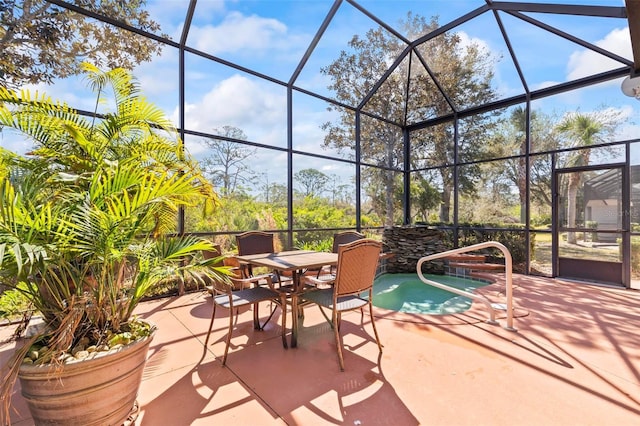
<point x="508" y="273"/>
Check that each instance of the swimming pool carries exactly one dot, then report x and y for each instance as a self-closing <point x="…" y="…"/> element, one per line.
<point x="406" y="293"/>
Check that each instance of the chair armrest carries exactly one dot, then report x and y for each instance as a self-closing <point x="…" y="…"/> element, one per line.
<point x="318" y="282"/>
<point x="236" y="272"/>
<point x="246" y="282"/>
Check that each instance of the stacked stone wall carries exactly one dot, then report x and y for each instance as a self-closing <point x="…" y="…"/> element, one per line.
<point x="410" y="243"/>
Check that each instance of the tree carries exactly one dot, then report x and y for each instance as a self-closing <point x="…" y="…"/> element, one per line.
<point x="583" y="130"/>
<point x="40" y="41"/>
<point x="274" y="193"/>
<point x="313" y="181"/>
<point x="463" y="72"/>
<point x="341" y="194"/>
<point x="511" y="139"/>
<point x="277" y="195"/>
<point x="424" y="197"/>
<point x="518" y="172"/>
<point x="227" y="165"/>
<point x="544" y="138"/>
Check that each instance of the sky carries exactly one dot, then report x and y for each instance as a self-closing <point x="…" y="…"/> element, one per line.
<point x="271" y="37"/>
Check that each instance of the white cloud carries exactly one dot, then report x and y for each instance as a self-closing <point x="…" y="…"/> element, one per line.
<point x="257" y="109"/>
<point x="623" y="112"/>
<point x="170" y="14"/>
<point x="586" y="62"/>
<point x="628" y="132"/>
<point x="15" y="142"/>
<point x="500" y="83"/>
<point x="159" y="77"/>
<point x="467" y="41"/>
<point x="544" y="84"/>
<point x="237" y="32"/>
<point x="630" y="129"/>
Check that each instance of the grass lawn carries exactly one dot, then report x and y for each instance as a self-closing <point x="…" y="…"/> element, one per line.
<point x="541" y="259"/>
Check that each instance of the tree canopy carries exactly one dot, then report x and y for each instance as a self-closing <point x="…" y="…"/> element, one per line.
<point x="312" y="181"/>
<point x="465" y="71"/>
<point x="40" y="41"/>
<point x="228" y="163"/>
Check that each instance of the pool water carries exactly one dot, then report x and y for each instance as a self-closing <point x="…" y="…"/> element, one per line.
<point x="406" y="293"/>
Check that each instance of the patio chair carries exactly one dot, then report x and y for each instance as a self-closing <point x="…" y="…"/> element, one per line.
<point x="345" y="237"/>
<point x="352" y="289"/>
<point x="250" y="294"/>
<point x="339" y="238"/>
<point x="231" y="262"/>
<point x="257" y="242"/>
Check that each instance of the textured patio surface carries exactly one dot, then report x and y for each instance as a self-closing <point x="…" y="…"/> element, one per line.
<point x="574" y="360"/>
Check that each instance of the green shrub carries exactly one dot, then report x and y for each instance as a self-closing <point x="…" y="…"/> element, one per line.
<point x="13" y="303"/>
<point x="513" y="239"/>
<point x="540" y="220"/>
<point x="317" y="245"/>
<point x="592" y="224"/>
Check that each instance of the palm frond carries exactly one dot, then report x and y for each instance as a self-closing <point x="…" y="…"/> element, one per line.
<point x="37" y="116"/>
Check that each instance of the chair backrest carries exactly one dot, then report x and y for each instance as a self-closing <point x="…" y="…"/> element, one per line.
<point x="219" y="286"/>
<point x="210" y="254"/>
<point x="357" y="266"/>
<point x="255" y="242"/>
<point x="345" y="237"/>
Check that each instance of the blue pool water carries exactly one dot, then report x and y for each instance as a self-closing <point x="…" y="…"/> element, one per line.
<point x="406" y="293"/>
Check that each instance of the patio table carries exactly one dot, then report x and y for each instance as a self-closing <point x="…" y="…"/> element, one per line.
<point x="296" y="262"/>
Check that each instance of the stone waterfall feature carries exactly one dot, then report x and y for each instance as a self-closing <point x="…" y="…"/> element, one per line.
<point x="409" y="243"/>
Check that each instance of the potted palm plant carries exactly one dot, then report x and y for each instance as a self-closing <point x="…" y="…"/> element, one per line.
<point x="87" y="229"/>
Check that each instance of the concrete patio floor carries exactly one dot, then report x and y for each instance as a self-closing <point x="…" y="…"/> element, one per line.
<point x="574" y="360"/>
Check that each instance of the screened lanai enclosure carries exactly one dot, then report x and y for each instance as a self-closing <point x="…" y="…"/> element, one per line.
<point x="489" y="120"/>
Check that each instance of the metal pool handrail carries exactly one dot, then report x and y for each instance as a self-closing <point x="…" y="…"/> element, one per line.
<point x="508" y="272"/>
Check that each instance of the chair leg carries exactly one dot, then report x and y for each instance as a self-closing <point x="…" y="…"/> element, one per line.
<point x="213" y="316"/>
<point x="283" y="309"/>
<point x="336" y="333"/>
<point x="256" y="317"/>
<point x="228" y="340"/>
<point x="261" y="327"/>
<point x="373" y="323"/>
<point x="324" y="314"/>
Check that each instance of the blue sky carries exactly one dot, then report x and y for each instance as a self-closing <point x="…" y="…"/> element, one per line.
<point x="271" y="36"/>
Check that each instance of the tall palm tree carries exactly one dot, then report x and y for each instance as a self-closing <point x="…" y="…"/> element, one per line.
<point x="584" y="130"/>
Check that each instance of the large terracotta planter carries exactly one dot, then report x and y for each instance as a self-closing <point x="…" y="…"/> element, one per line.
<point x="97" y="391"/>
